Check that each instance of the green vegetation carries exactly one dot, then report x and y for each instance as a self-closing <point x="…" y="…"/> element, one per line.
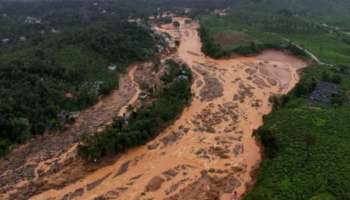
<point x="305" y="143"/>
<point x="251" y="32"/>
<point x="64" y="73"/>
<point x="54" y="56"/>
<point x="147" y="121"/>
<point x="60" y="65"/>
<point x="335" y="12"/>
<point x="306" y="146"/>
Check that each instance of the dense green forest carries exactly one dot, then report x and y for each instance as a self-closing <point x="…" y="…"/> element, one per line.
<point x="144" y="123"/>
<point x="63" y="74"/>
<point x="50" y="75"/>
<point x="306" y="145"/>
<point x="305" y="141"/>
<point x="54" y="58"/>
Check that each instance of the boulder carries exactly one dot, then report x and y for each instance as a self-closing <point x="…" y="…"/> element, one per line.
<point x="154" y="184"/>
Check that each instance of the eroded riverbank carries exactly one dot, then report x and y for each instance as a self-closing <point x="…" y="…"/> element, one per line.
<point x="209" y="151"/>
<point x="26" y="169"/>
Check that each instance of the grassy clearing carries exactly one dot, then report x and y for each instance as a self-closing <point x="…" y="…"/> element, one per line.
<point x="272" y="30"/>
<point x="230" y="40"/>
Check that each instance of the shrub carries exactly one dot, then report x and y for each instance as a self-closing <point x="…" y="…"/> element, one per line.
<point x="278" y="101"/>
<point x="144" y="123"/>
<point x="268" y="140"/>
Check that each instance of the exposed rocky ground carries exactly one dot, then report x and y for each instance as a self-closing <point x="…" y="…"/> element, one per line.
<point x="207" y="153"/>
<point x="26" y="166"/>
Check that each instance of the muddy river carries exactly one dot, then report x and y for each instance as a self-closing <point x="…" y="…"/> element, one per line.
<point x="209" y="151"/>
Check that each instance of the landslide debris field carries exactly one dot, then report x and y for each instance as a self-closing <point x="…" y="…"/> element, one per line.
<point x="207" y="153"/>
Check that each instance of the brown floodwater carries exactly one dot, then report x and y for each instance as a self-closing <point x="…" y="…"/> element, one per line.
<point x="212" y="136"/>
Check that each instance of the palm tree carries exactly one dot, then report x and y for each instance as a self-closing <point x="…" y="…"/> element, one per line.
<point x="309" y="141"/>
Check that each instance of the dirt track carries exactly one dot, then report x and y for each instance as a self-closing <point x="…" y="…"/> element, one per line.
<point x="208" y="152"/>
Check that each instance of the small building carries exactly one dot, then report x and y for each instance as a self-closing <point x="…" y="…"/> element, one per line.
<point x="53" y="30"/>
<point x="183" y="77"/>
<point x="68" y="95"/>
<point x="22" y="39"/>
<point x="324" y="92"/>
<point x="65" y="117"/>
<point x="220" y="12"/>
<point x="32" y="20"/>
<point x="112" y="67"/>
<point x="187" y="10"/>
<point x="5" y="40"/>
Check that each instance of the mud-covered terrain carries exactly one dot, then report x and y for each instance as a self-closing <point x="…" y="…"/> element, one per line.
<point x="24" y="170"/>
<point x="207" y="153"/>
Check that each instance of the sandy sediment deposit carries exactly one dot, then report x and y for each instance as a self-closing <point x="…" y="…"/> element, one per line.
<point x="209" y="151"/>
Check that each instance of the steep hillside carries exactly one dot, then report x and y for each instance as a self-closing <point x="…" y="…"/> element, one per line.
<point x="44" y="81"/>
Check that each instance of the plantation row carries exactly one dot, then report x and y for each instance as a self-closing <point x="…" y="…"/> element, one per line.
<point x="306" y="146"/>
<point x="249" y="33"/>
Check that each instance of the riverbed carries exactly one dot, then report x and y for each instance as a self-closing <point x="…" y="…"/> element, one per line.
<point x="209" y="151"/>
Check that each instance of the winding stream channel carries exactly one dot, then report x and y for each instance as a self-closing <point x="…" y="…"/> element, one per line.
<point x="209" y="151"/>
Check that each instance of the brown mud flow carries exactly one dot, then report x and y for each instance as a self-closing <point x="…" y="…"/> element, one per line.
<point x="26" y="169"/>
<point x="209" y="151"/>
